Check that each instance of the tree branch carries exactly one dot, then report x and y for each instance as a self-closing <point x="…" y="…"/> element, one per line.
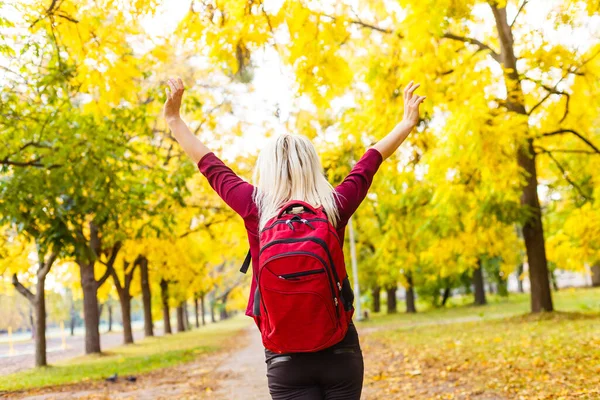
<point x="32" y="163"/>
<point x="46" y="265"/>
<point x="107" y="273"/>
<point x="579" y="135"/>
<point x="518" y="12"/>
<point x="482" y="46"/>
<point x="113" y="255"/>
<point x="22" y="289"/>
<point x="362" y="24"/>
<point x="204" y="226"/>
<point x="565" y="175"/>
<point x="113" y="273"/>
<point x="574" y="151"/>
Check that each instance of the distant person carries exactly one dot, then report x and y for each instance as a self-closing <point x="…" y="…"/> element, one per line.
<point x="301" y="299"/>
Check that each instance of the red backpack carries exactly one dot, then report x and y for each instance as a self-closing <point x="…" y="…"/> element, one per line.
<point x="303" y="300"/>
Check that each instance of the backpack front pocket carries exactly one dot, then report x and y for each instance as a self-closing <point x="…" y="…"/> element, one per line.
<point x="299" y="321"/>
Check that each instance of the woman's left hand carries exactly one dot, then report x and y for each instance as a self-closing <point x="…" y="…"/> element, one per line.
<point x="411" y="105"/>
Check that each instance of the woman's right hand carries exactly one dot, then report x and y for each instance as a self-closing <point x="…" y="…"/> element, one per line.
<point x="173" y="103"/>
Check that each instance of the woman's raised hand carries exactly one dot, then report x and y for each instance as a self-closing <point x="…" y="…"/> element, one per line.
<point x="174" y="95"/>
<point x="411" y="105"/>
<point x="388" y="145"/>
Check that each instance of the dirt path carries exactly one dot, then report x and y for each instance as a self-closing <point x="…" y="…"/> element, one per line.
<point x="243" y="373"/>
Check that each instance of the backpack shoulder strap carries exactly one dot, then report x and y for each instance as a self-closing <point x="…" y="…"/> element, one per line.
<point x="246" y="263"/>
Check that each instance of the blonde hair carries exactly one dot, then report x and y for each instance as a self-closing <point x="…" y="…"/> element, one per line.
<point x="288" y="168"/>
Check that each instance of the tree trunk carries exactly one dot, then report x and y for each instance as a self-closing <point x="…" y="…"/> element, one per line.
<point x="533" y="232"/>
<point x="596" y="275"/>
<point x="180" y="326"/>
<point x="110" y="319"/>
<point x="202" y="309"/>
<point x="124" y="290"/>
<point x="212" y="310"/>
<point x="446" y="295"/>
<point x="164" y="294"/>
<point x="186" y="318"/>
<point x="31" y="320"/>
<point x="196" y="312"/>
<point x="376" y="292"/>
<point x="91" y="317"/>
<point x="72" y="313"/>
<point x="479" y="285"/>
<point x="553" y="281"/>
<point x="125" y="301"/>
<point x="40" y="323"/>
<point x="520" y="271"/>
<point x="146" y="298"/>
<point x="391" y="300"/>
<point x="411" y="308"/>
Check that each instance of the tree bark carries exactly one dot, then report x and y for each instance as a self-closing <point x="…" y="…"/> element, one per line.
<point x="126" y="316"/>
<point x="180" y="325"/>
<point x="391" y="300"/>
<point x="31" y="321"/>
<point x="553" y="281"/>
<point x="376" y="292"/>
<point x="196" y="312"/>
<point x="186" y="316"/>
<point x="596" y="275"/>
<point x="40" y="323"/>
<point x="110" y="318"/>
<point x="202" y="309"/>
<point x="89" y="285"/>
<point x="479" y="285"/>
<point x="146" y="297"/>
<point x="164" y="294"/>
<point x="91" y="315"/>
<point x="446" y="295"/>
<point x="123" y="290"/>
<point x="520" y="271"/>
<point x="71" y="312"/>
<point x="411" y="308"/>
<point x="533" y="232"/>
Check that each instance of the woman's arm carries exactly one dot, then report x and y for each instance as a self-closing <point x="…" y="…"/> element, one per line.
<point x="236" y="192"/>
<point x="193" y="147"/>
<point x="388" y="145"/>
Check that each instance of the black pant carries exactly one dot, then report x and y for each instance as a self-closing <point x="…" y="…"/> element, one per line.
<point x="335" y="373"/>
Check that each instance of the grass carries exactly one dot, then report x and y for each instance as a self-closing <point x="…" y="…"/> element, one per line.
<point x="499" y="348"/>
<point x="146" y="355"/>
<point x="461" y="309"/>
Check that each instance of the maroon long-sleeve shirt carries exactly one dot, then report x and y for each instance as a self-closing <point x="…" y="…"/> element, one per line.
<point x="237" y="193"/>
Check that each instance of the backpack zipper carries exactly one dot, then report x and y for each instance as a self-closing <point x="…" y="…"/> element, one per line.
<point x="302" y="273"/>
<point x="311" y="239"/>
<point x="307" y="222"/>
<point x="285" y="221"/>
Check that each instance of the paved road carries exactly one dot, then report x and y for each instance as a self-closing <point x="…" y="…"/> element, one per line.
<point x="23" y="357"/>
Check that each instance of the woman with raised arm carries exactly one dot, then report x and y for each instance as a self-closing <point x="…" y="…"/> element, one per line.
<point x="289" y="184"/>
